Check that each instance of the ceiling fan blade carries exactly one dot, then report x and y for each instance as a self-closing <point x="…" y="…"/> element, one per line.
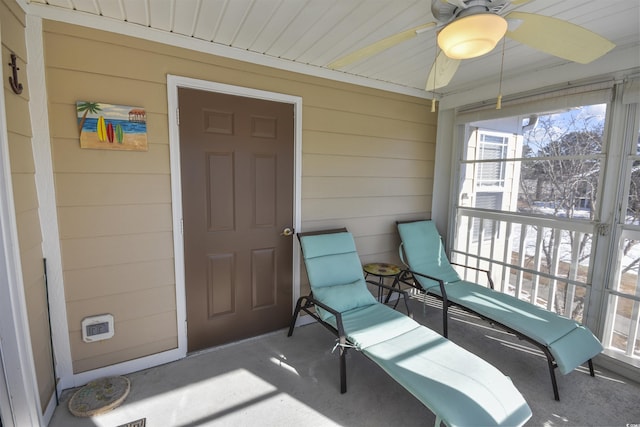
<point x="379" y="46"/>
<point x="557" y="37"/>
<point x="442" y="71"/>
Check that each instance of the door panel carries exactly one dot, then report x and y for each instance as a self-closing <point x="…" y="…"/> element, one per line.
<point x="237" y="187"/>
<point x="220" y="288"/>
<point x="263" y="278"/>
<point x="220" y="206"/>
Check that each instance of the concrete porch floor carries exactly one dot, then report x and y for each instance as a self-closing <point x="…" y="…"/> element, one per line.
<point x="273" y="380"/>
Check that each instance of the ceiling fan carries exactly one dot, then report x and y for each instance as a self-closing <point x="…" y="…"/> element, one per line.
<point x="471" y="28"/>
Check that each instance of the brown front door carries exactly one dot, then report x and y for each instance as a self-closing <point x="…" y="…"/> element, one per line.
<point x="237" y="198"/>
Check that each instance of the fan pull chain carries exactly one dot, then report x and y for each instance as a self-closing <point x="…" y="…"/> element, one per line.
<point x="435" y="74"/>
<point x="499" y="103"/>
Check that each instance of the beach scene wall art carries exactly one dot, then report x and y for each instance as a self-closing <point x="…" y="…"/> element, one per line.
<point x="112" y="127"/>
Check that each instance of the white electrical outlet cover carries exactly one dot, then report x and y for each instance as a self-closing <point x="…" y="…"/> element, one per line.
<point x="97" y="328"/>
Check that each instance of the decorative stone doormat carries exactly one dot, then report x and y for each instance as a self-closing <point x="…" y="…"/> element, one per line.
<point x="98" y="396"/>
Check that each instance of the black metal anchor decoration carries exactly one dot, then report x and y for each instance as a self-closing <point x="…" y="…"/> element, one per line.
<point x="17" y="87"/>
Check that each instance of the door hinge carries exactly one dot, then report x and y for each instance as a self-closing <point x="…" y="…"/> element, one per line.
<point x="178" y="116"/>
<point x="182" y="226"/>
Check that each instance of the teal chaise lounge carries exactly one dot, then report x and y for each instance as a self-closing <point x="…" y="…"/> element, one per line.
<point x="566" y="343"/>
<point x="458" y="387"/>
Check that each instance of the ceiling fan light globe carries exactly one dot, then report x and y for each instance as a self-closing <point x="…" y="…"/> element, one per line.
<point x="469" y="49"/>
<point x="472" y="36"/>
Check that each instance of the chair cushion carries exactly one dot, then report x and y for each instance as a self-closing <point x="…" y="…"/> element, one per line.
<point x="453" y="383"/>
<point x="425" y="252"/>
<point x="331" y="259"/>
<point x="456" y="385"/>
<point x="343" y="297"/>
<point x="535" y="322"/>
<point x="570" y="343"/>
<point x="319" y="245"/>
<point x="335" y="273"/>
<point x="374" y="324"/>
<point x="331" y="270"/>
<point x="573" y="349"/>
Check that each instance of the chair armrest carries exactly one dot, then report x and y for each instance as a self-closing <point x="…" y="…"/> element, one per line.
<point x="477" y="269"/>
<point x="337" y="314"/>
<point x="445" y="299"/>
<point x="391" y="289"/>
<point x="435" y="279"/>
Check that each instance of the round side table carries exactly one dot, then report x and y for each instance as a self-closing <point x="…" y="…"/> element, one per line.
<point x="381" y="270"/>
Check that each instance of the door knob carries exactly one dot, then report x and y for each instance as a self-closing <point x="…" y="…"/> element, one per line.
<point x="287" y="232"/>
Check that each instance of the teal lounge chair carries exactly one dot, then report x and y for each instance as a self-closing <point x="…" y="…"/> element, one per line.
<point x="566" y="343"/>
<point x="458" y="387"/>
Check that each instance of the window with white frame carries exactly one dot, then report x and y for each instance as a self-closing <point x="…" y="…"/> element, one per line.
<point x="546" y="164"/>
<point x="491" y="147"/>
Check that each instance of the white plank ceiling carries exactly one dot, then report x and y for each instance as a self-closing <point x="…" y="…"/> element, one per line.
<point x="306" y="35"/>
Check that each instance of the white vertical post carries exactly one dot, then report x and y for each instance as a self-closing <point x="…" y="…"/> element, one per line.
<point x="41" y="143"/>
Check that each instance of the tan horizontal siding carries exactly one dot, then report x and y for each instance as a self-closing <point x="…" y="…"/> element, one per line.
<point x="99" y="221"/>
<point x="134" y="351"/>
<point x="42" y="360"/>
<point x="369" y="103"/>
<point x="96" y="282"/>
<point x="330" y="165"/>
<point x="348" y="123"/>
<point x="366" y="169"/>
<point x="315" y="209"/>
<point x="69" y="159"/>
<point x="13" y="22"/>
<point x="113" y="250"/>
<point x="133" y="339"/>
<point x="362" y="227"/>
<point x="123" y="310"/>
<point x="18" y="115"/>
<point x="21" y="154"/>
<point x="320" y="187"/>
<point x="128" y="334"/>
<point x="25" y="193"/>
<point x="105" y="88"/>
<point x="111" y="189"/>
<point x="28" y="224"/>
<point x="376" y="244"/>
<point x="34" y="279"/>
<point x="327" y="142"/>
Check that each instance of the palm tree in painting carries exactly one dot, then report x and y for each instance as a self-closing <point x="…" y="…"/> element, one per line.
<point x="86" y="107"/>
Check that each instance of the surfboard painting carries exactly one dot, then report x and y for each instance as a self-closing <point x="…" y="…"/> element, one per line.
<point x="101" y="129"/>
<point x="101" y="124"/>
<point x="110" y="132"/>
<point x="119" y="133"/>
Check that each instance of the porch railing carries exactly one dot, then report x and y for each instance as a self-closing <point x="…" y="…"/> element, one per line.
<point x="546" y="261"/>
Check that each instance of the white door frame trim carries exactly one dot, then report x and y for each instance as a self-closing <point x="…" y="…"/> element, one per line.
<point x="173" y="83"/>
